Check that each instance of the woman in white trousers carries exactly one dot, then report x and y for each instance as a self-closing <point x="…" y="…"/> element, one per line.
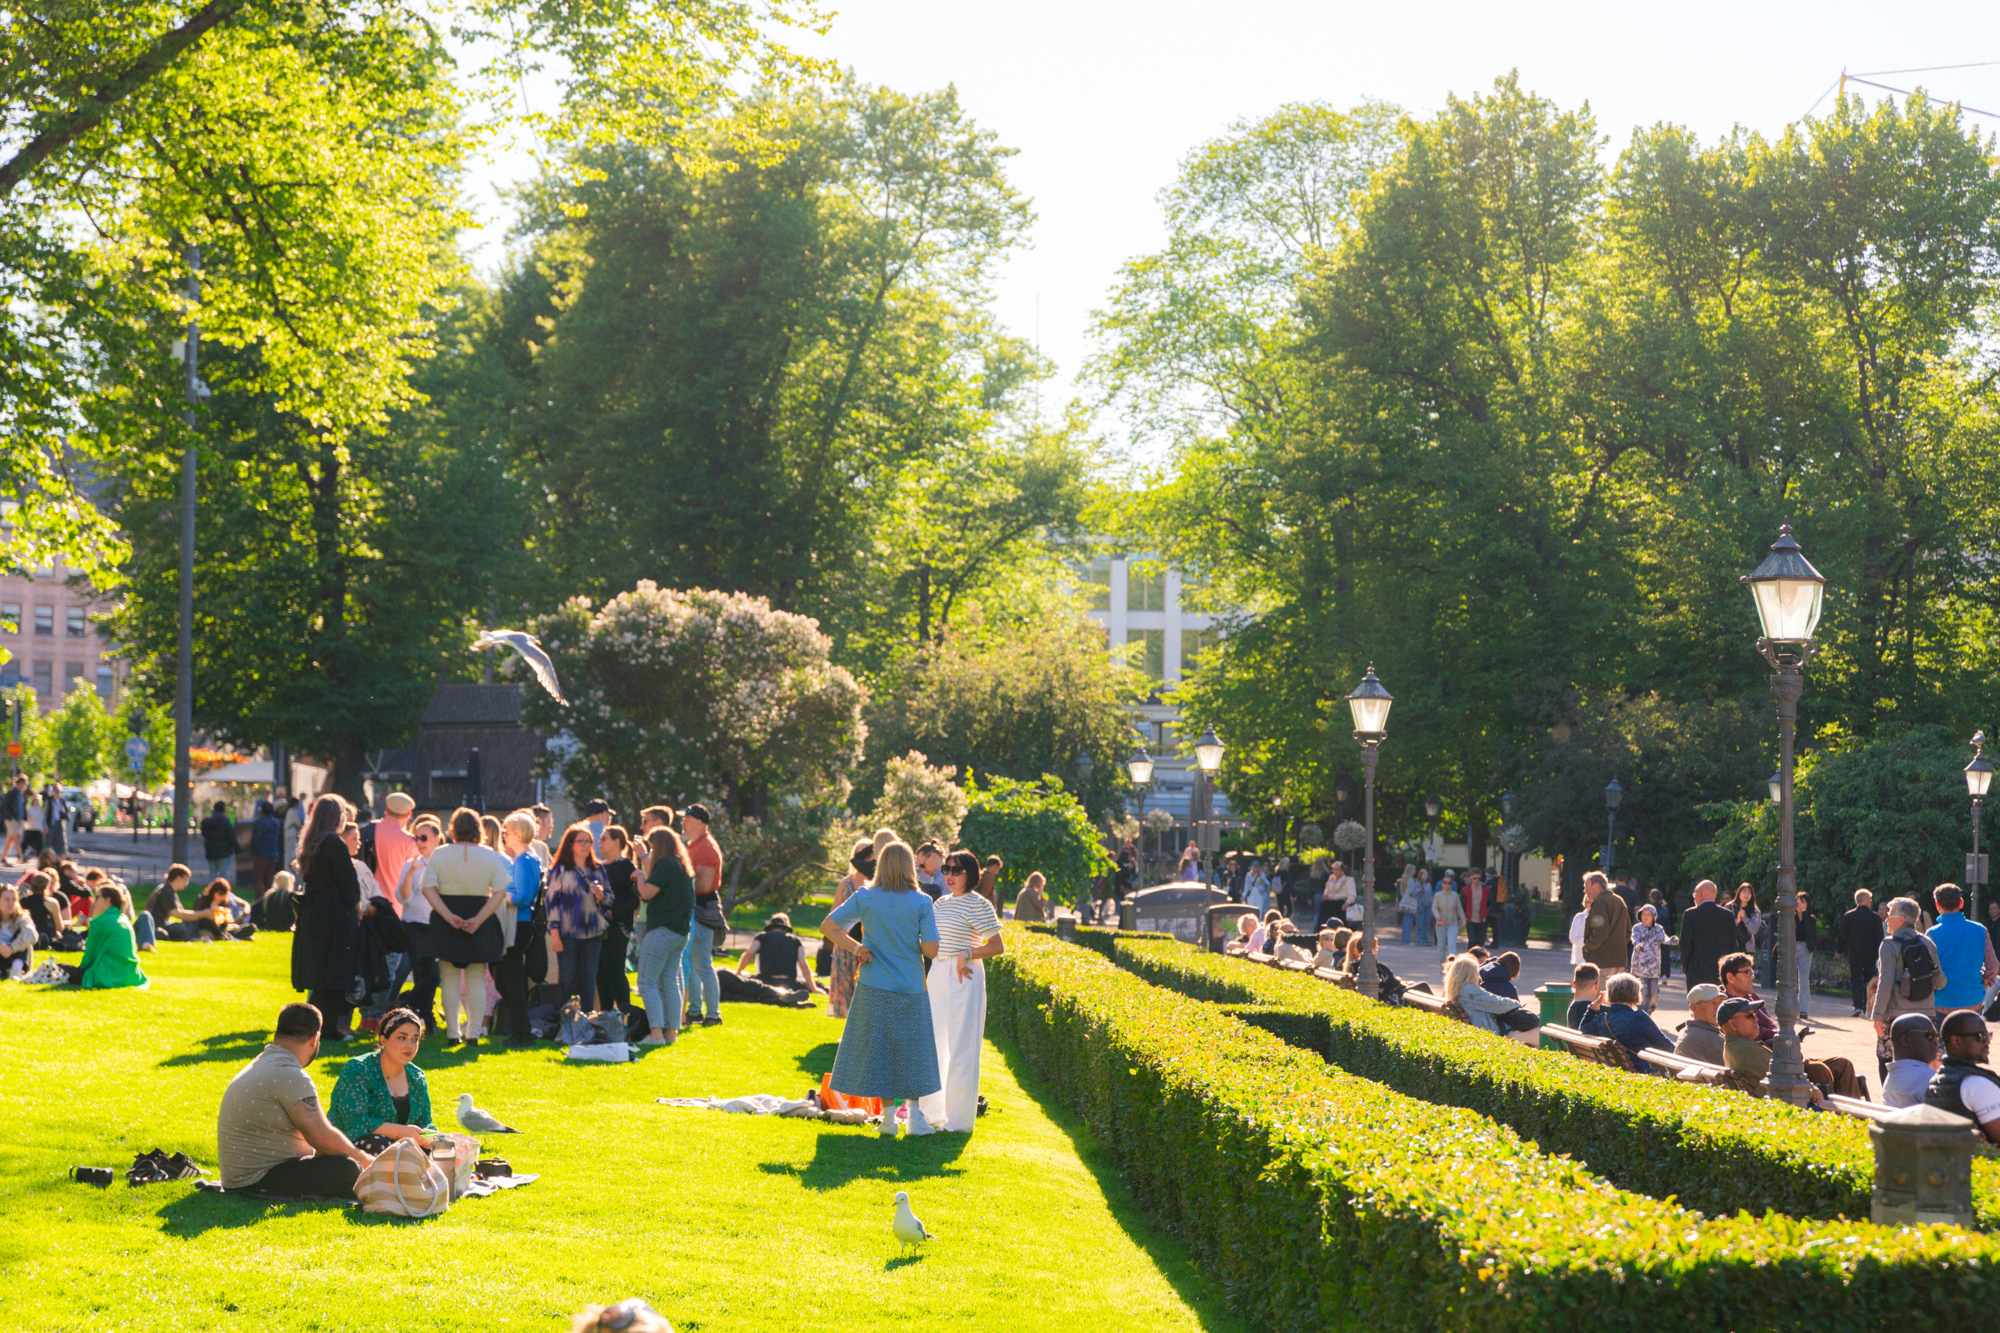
<point x="968" y="932"/>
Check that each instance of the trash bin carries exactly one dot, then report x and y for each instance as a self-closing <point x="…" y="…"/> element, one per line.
<point x="1128" y="914"/>
<point x="1554" y="1000"/>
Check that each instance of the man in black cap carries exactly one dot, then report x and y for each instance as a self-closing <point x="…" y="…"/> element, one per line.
<point x="597" y="814"/>
<point x="1741" y="1050"/>
<point x="1965" y="1084"/>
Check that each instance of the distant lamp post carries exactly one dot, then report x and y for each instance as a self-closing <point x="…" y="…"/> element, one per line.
<point x="1139" y="768"/>
<point x="1084" y="768"/>
<point x="1790" y="595"/>
<point x="1370" y="705"/>
<point x="1613" y="795"/>
<point x="1207" y="762"/>
<point x="1978" y="779"/>
<point x="1776" y="784"/>
<point x="1433" y="807"/>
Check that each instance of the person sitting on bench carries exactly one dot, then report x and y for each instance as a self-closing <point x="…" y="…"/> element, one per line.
<point x="271" y="1136"/>
<point x="1488" y="1012"/>
<point x="1621" y="1018"/>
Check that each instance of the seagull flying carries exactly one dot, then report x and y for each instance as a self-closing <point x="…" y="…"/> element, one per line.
<point x="530" y="649"/>
<point x="476" y="1120"/>
<point x="906" y="1228"/>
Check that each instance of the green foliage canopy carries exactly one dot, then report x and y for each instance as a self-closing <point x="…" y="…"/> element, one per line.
<point x="1034" y="826"/>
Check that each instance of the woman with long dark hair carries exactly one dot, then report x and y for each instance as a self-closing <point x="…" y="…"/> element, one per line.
<point x="326" y="946"/>
<point x="968" y="933"/>
<point x="668" y="897"/>
<point x="577" y="892"/>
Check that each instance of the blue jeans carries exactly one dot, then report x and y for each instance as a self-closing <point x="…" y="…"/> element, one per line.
<point x="1409" y="921"/>
<point x="144" y="934"/>
<point x="705" y="993"/>
<point x="661" y="984"/>
<point x="576" y="972"/>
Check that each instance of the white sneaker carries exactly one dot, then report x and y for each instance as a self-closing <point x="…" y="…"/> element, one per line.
<point x="918" y="1124"/>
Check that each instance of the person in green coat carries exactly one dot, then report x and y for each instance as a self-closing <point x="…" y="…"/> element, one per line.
<point x="110" y="954"/>
<point x="382" y="1092"/>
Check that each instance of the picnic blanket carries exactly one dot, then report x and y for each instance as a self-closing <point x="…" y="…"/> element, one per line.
<point x="765" y="1103"/>
<point x="479" y="1188"/>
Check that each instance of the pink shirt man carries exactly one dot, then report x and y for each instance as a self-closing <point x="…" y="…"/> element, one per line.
<point x="393" y="844"/>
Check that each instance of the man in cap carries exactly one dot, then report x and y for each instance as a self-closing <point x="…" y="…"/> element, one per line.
<point x="1737" y="1018"/>
<point x="393" y="844"/>
<point x="1913" y="1039"/>
<point x="597" y="814"/>
<point x="1964" y="1083"/>
<point x="1702" y="1039"/>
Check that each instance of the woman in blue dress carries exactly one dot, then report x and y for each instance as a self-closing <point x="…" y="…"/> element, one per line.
<point x="888" y="1048"/>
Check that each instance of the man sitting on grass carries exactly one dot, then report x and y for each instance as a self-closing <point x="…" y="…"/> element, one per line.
<point x="271" y="1136"/>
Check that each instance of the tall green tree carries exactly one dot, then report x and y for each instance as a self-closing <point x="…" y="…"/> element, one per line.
<point x="722" y="376"/>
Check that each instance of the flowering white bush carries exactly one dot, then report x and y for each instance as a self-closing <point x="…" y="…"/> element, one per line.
<point x="922" y="803"/>
<point x="696" y="695"/>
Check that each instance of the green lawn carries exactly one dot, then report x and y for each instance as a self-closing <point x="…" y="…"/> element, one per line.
<point x="723" y="1222"/>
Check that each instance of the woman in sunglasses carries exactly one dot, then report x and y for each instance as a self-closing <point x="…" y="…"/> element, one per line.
<point x="968" y="932"/>
<point x="427" y="833"/>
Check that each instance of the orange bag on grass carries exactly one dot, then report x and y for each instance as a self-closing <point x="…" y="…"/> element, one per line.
<point x="829" y="1100"/>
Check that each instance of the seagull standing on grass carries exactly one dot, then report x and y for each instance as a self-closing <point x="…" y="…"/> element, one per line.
<point x="472" y="1118"/>
<point x="907" y="1229"/>
<point x="530" y="649"/>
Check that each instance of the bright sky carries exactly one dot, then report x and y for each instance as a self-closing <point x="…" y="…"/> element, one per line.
<point x="1104" y="97"/>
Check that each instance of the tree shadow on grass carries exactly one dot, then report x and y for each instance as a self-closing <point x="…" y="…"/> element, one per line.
<point x="1169" y="1256"/>
<point x="236" y="1047"/>
<point x="844" y="1155"/>
<point x="818" y="1060"/>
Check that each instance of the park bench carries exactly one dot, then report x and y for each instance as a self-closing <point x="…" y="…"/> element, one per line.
<point x="1344" y="980"/>
<point x="1854" y="1106"/>
<point x="1437" y="1004"/>
<point x="1595" y="1050"/>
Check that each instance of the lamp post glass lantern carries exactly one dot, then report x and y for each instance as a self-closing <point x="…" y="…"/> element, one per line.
<point x="1201" y="815"/>
<point x="1978" y="781"/>
<point x="1775" y="784"/>
<point x="1370" y="705"/>
<point x="1084" y="768"/>
<point x="1789" y="595"/>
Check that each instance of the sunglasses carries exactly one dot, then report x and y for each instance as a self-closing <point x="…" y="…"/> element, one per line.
<point x="954" y="870"/>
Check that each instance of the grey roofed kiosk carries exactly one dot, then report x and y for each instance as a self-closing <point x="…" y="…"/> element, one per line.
<point x="1180" y="910"/>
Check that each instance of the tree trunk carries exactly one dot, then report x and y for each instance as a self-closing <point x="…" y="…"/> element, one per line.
<point x="1476" y="839"/>
<point x="348" y="758"/>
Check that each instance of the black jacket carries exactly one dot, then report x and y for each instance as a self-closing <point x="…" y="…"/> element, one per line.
<point x="218" y="837"/>
<point x="326" y="946"/>
<point x="1861" y="934"/>
<point x="1708" y="931"/>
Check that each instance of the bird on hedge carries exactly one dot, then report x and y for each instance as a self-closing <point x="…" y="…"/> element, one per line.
<point x="530" y="649"/>
<point x="906" y="1228"/>
<point x="477" y="1121"/>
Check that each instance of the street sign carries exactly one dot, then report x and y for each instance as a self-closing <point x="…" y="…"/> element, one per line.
<point x="136" y="750"/>
<point x="1975" y="868"/>
<point x="13" y="749"/>
<point x="9" y="678"/>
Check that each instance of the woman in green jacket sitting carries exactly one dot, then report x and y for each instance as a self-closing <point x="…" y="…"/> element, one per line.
<point x="110" y="954"/>
<point x="381" y="1092"/>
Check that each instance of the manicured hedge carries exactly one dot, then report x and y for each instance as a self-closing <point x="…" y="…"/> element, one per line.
<point x="1319" y="1199"/>
<point x="1715" y="1150"/>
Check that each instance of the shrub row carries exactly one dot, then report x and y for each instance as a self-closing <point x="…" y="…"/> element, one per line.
<point x="1321" y="1199"/>
<point x="1715" y="1150"/>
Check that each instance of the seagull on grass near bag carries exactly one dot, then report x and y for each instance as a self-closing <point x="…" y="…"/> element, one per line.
<point x="530" y="649"/>
<point x="906" y="1228"/>
<point x="476" y="1120"/>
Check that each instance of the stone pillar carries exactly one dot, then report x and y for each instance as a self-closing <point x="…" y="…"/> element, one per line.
<point x="1923" y="1168"/>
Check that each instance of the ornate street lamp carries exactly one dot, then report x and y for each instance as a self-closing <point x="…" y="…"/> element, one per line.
<point x="1776" y="785"/>
<point x="1208" y="752"/>
<point x="1978" y="778"/>
<point x="1370" y="705"/>
<point x="1207" y="762"/>
<point x="1139" y="767"/>
<point x="1084" y="768"/>
<point x="1613" y="794"/>
<point x="1789" y="594"/>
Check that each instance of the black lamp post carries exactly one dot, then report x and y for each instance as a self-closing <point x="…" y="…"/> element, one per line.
<point x="1613" y="795"/>
<point x="1207" y="763"/>
<point x="1789" y="594"/>
<point x="1139" y="768"/>
<point x="1516" y="908"/>
<point x="1978" y="778"/>
<point x="1433" y="807"/>
<point x="1775" y="784"/>
<point x="1084" y="768"/>
<point x="1370" y="705"/>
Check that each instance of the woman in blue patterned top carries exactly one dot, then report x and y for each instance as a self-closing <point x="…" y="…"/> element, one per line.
<point x="382" y="1092"/>
<point x="577" y="894"/>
